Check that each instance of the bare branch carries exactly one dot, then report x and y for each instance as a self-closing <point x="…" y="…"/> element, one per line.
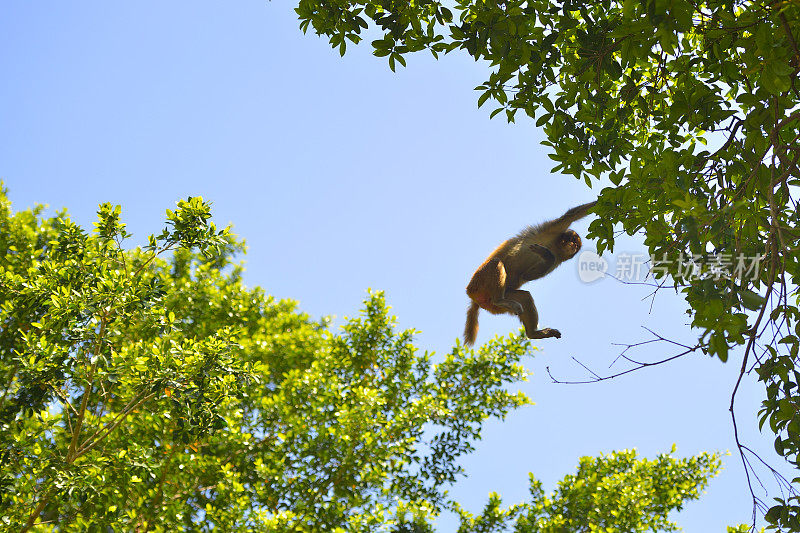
<point x="750" y="343"/>
<point x="639" y="364"/>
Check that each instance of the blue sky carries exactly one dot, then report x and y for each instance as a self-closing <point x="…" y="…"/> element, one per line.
<point x="342" y="176"/>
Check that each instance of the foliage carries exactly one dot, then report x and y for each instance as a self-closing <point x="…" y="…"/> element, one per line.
<point x="616" y="492"/>
<point x="630" y="92"/>
<point x="151" y="394"/>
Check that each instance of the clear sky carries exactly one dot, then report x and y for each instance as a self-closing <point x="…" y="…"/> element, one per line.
<point x="342" y="176"/>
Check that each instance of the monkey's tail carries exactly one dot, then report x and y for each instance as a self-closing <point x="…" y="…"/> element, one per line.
<point x="471" y="329"/>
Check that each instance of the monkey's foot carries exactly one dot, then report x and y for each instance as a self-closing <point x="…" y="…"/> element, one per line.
<point x="550" y="332"/>
<point x="545" y="333"/>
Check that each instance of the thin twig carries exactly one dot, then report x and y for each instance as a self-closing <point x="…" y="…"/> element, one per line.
<point x="753" y="334"/>
<point x="640" y="365"/>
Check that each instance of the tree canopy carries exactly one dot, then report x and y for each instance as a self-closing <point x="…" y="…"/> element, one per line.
<point x="148" y="389"/>
<point x="688" y="114"/>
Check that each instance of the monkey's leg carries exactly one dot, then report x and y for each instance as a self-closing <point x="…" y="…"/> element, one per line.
<point x="530" y="316"/>
<point x="488" y="286"/>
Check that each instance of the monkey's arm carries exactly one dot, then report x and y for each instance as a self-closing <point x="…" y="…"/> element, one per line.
<point x="542" y="262"/>
<point x="563" y="222"/>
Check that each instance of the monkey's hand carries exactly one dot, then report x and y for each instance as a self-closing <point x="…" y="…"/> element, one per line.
<point x="545" y="254"/>
<point x="541" y="261"/>
<point x="514" y="307"/>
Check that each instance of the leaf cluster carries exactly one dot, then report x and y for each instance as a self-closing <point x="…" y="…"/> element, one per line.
<point x="614" y="492"/>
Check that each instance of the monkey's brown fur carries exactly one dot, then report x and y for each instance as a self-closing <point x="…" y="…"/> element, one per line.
<point x="532" y="254"/>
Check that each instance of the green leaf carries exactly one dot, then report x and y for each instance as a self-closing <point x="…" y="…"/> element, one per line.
<point x="719" y="346"/>
<point x="751" y="300"/>
<point x="628" y="7"/>
<point x="543" y="119"/>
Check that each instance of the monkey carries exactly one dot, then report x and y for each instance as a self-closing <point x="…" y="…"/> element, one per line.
<point x="532" y="254"/>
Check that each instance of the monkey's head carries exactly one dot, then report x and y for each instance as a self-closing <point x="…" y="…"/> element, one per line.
<point x="568" y="244"/>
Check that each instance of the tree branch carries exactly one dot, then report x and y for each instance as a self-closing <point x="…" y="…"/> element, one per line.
<point x="639" y="365"/>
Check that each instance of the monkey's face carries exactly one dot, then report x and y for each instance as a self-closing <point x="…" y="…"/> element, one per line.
<point x="569" y="243"/>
